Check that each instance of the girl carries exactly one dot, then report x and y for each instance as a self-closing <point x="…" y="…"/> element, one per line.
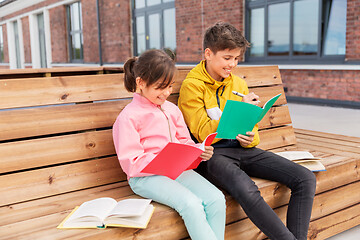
<point x="143" y="129"/>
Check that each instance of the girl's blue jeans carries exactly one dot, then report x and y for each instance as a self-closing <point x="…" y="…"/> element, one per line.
<point x="199" y="203"/>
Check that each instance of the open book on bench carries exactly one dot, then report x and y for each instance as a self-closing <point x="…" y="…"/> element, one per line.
<point x="107" y="212"/>
<point x="305" y="159"/>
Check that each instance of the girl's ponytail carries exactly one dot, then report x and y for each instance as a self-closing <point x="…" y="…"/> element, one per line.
<point x="150" y="66"/>
<point x="130" y="78"/>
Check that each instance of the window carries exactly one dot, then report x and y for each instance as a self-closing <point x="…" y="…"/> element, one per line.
<point x="75" y="35"/>
<point x="42" y="47"/>
<point x="1" y="45"/>
<point x="154" y="25"/>
<point x="17" y="44"/>
<point x="296" y="30"/>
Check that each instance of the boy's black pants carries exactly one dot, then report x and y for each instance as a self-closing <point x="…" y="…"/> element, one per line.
<point x="231" y="169"/>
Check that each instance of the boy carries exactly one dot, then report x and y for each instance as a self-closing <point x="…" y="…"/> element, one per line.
<point x="202" y="99"/>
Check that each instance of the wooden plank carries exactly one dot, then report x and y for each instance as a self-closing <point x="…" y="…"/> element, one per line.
<point x="58" y="119"/>
<point x="276" y="137"/>
<point x="64" y="202"/>
<point x="276" y="116"/>
<point x="54" y="150"/>
<point x="30" y="72"/>
<point x="327" y="135"/>
<point x="24" y="186"/>
<point x="334" y="223"/>
<point x="328" y="147"/>
<point x="259" y="76"/>
<point x="59" y="90"/>
<point x="342" y="142"/>
<point x="168" y="224"/>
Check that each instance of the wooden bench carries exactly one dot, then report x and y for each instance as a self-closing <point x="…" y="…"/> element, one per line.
<point x="56" y="152"/>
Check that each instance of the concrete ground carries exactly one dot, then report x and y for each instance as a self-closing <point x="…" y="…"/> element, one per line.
<point x="342" y="121"/>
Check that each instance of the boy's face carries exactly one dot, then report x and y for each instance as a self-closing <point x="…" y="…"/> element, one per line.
<point x="220" y="64"/>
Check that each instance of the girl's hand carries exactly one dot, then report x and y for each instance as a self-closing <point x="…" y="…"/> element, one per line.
<point x="245" y="140"/>
<point x="207" y="154"/>
<point x="251" y="98"/>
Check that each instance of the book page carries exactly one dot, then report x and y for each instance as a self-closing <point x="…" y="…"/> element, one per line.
<point x="130" y="207"/>
<point x="296" y="155"/>
<point x="312" y="165"/>
<point x="98" y="208"/>
<point x="131" y="222"/>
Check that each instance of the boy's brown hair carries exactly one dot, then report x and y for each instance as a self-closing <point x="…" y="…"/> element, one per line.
<point x="223" y="36"/>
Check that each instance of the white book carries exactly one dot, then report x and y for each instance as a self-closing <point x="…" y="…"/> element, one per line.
<point x="107" y="212"/>
<point x="305" y="159"/>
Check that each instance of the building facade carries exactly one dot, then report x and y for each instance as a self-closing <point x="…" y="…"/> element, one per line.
<point x="316" y="43"/>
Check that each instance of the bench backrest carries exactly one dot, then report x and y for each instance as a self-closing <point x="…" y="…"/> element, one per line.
<point x="55" y="132"/>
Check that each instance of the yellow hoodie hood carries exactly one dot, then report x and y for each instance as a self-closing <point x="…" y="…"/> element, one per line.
<point x="202" y="100"/>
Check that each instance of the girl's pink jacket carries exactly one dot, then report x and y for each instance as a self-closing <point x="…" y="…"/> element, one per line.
<point x="143" y="129"/>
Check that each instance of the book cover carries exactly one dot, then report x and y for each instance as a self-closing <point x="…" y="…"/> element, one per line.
<point x="240" y="117"/>
<point x="175" y="158"/>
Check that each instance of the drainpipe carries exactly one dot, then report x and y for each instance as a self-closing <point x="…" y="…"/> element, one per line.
<point x="99" y="31"/>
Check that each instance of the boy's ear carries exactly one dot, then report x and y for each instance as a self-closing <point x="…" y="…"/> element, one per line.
<point x="208" y="53"/>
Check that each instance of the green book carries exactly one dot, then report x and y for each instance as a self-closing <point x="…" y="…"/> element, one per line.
<point x="240" y="117"/>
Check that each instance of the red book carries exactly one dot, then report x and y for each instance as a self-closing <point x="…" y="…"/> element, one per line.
<point x="175" y="158"/>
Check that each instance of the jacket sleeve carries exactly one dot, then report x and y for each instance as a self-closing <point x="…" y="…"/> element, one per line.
<point x="129" y="150"/>
<point x="191" y="104"/>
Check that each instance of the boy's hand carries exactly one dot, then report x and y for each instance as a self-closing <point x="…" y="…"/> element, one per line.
<point x="245" y="140"/>
<point x="251" y="98"/>
<point x="207" y="154"/>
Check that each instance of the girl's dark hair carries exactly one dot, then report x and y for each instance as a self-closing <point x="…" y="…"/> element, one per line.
<point x="150" y="66"/>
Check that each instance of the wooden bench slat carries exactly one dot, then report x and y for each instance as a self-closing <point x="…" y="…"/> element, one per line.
<point x="332" y="148"/>
<point x="59" y="90"/>
<point x="64" y="202"/>
<point x="346" y="145"/>
<point x="36" y="153"/>
<point x="276" y="137"/>
<point x="24" y="186"/>
<point x="259" y="76"/>
<point x="40" y="121"/>
<point x="59" y="119"/>
<point x="346" y="139"/>
<point x="322" y="200"/>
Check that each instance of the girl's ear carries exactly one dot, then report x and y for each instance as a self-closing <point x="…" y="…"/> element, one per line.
<point x="140" y="83"/>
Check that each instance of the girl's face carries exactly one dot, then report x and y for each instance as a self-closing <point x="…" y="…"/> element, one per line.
<point x="153" y="93"/>
<point x="220" y="64"/>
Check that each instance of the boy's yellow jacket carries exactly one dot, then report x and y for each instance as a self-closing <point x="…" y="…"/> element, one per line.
<point x="202" y="100"/>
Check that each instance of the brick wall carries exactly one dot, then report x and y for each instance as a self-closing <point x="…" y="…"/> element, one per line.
<point x="353" y="30"/>
<point x="58" y="35"/>
<point x="115" y="30"/>
<point x="192" y="20"/>
<point x="325" y="84"/>
<point x="26" y="39"/>
<point x="90" y="31"/>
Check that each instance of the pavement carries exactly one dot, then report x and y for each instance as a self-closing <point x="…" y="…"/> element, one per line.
<point x="336" y="120"/>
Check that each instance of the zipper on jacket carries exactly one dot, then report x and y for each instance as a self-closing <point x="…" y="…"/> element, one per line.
<point x="217" y="95"/>
<point x="167" y="119"/>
